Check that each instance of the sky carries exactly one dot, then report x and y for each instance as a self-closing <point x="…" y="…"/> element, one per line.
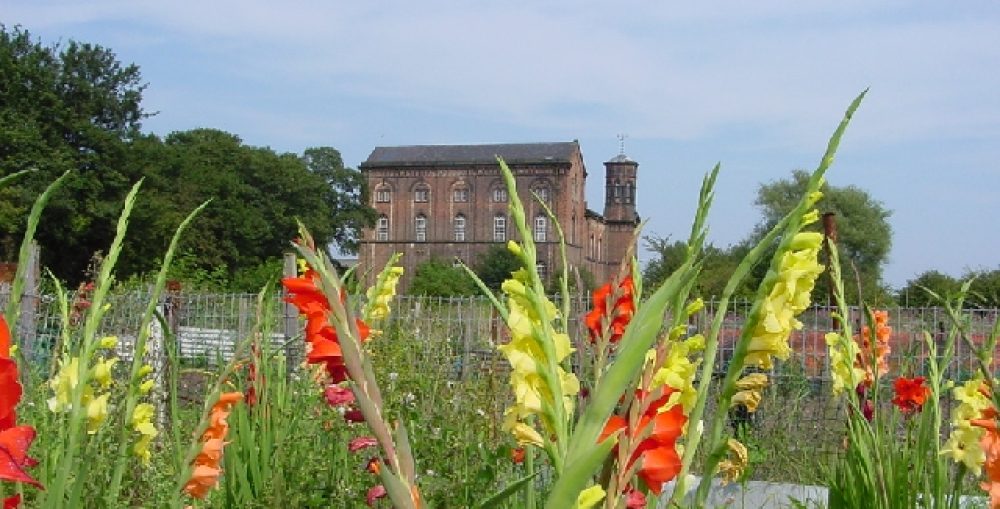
<point x="756" y="86"/>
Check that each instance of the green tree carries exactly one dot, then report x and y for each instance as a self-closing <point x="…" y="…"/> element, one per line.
<point x="984" y="292"/>
<point x="72" y="107"/>
<point x="864" y="233"/>
<point x="438" y="278"/>
<point x="346" y="192"/>
<point x="256" y="194"/>
<point x="719" y="264"/>
<point x="495" y="265"/>
<point x="914" y="293"/>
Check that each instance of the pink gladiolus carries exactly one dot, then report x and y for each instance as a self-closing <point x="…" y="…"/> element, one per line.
<point x="359" y="443"/>
<point x="374" y="494"/>
<point x="338" y="396"/>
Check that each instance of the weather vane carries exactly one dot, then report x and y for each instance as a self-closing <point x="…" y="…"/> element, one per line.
<point x="621" y="143"/>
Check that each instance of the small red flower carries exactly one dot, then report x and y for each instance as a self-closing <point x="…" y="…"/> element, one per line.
<point x="911" y="393"/>
<point x="338" y="396"/>
<point x="374" y="465"/>
<point x="374" y="494"/>
<point x="12" y="502"/>
<point x="517" y="455"/>
<point x="354" y="415"/>
<point x="634" y="499"/>
<point x="359" y="443"/>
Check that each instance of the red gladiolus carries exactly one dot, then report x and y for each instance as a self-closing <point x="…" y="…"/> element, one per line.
<point x="911" y="393"/>
<point x="634" y="499"/>
<point x="12" y="502"/>
<point x="354" y="415"/>
<point x="359" y="443"/>
<point x="374" y="494"/>
<point x="517" y="455"/>
<point x="338" y="396"/>
<point x="618" y="317"/>
<point x="14" y="440"/>
<point x="660" y="461"/>
<point x="321" y="335"/>
<point x="374" y="465"/>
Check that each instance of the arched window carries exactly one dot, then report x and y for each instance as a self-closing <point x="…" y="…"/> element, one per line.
<point x="422" y="193"/>
<point x="382" y="228"/>
<point x="383" y="193"/>
<point x="459" y="226"/>
<point x="541" y="228"/>
<point x="500" y="194"/>
<point x="460" y="193"/>
<point x="420" y="227"/>
<point x="542" y="191"/>
<point x="499" y="228"/>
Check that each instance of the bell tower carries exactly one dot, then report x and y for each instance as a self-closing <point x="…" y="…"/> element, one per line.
<point x="619" y="186"/>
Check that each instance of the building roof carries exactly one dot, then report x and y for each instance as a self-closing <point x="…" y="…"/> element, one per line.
<point x="621" y="158"/>
<point x="475" y="154"/>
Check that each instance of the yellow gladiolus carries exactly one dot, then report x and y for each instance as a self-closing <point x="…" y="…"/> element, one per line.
<point x="102" y="372"/>
<point x="142" y="418"/>
<point x="97" y="412"/>
<point x="63" y="384"/>
<point x="109" y="342"/>
<point x="590" y="497"/>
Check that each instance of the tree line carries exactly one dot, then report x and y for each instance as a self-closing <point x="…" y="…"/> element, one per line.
<point x="75" y="107"/>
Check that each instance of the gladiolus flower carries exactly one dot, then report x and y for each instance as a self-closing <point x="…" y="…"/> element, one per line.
<point x="910" y="394"/>
<point x="102" y="372"/>
<point x="797" y="273"/>
<point x="14" y="440"/>
<point x="374" y="465"/>
<point x="206" y="465"/>
<point x="12" y="502"/>
<point x="359" y="443"/>
<point x="142" y="422"/>
<point x="618" y="317"/>
<point x="879" y="352"/>
<point x="354" y="415"/>
<point x="375" y="493"/>
<point x="660" y="461"/>
<point x="634" y="499"/>
<point x="381" y="295"/>
<point x="338" y="396"/>
<point x="517" y="455"/>
<point x="732" y="467"/>
<point x="312" y="303"/>
<point x="97" y="411"/>
<point x="590" y="497"/>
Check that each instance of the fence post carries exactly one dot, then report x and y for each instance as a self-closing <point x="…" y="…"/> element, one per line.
<point x="291" y="315"/>
<point x="27" y="325"/>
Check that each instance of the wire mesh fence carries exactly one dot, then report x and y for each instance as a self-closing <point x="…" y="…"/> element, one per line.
<point x="458" y="338"/>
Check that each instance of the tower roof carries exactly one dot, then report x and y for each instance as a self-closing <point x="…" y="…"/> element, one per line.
<point x="621" y="158"/>
<point x="473" y="154"/>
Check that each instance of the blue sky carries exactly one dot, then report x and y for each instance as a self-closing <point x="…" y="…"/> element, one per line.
<point x="757" y="86"/>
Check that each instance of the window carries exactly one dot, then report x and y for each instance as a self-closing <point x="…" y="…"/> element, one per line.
<point x="460" y="195"/>
<point x="383" y="194"/>
<point x="499" y="228"/>
<point x="420" y="227"/>
<point x="422" y="193"/>
<point x="382" y="228"/>
<point x="542" y="269"/>
<point x="541" y="227"/>
<point x="543" y="193"/>
<point x="459" y="226"/>
<point x="499" y="195"/>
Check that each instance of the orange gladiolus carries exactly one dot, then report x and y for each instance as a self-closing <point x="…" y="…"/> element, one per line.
<point x="660" y="461"/>
<point x="879" y="352"/>
<point x="620" y="314"/>
<point x="990" y="443"/>
<point x="517" y="455"/>
<point x="911" y="393"/>
<point x="306" y="296"/>
<point x="206" y="465"/>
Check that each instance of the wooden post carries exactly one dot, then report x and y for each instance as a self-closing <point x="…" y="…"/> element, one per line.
<point x="291" y="316"/>
<point x="27" y="325"/>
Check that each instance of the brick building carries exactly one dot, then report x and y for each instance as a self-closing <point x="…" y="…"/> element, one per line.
<point x="449" y="201"/>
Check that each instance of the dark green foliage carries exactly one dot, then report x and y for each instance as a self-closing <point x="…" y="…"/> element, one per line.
<point x="718" y="266"/>
<point x="76" y="107"/>
<point x="438" y="278"/>
<point x="72" y="107"/>
<point x="495" y="265"/>
<point x="984" y="291"/>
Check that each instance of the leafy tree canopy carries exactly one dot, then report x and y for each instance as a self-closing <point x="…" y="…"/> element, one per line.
<point x="495" y="265"/>
<point x="76" y="107"/>
<point x="984" y="290"/>
<point x="864" y="240"/>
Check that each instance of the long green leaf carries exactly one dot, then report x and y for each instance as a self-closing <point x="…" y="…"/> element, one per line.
<point x="497" y="498"/>
<point x="17" y="287"/>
